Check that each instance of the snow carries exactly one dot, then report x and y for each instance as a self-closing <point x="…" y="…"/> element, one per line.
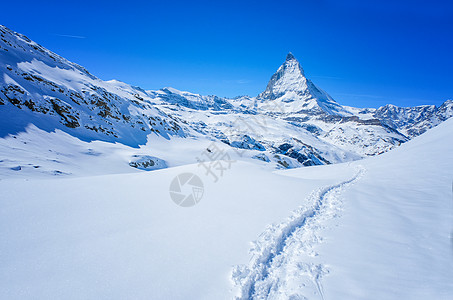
<point x="397" y="225"/>
<point x="85" y="214"/>
<point x="383" y="234"/>
<point x="121" y="236"/>
<point x="387" y="236"/>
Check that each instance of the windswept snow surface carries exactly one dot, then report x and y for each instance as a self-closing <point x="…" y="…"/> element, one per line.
<point x="392" y="240"/>
<point x="121" y="236"/>
<point x="373" y="229"/>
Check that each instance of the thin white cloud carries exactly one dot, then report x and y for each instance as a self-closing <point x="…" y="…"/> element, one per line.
<point x="71" y="36"/>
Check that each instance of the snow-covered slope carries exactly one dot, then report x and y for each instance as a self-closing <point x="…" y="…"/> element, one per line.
<point x="41" y="88"/>
<point x="395" y="238"/>
<point x="386" y="233"/>
<point x="373" y="229"/>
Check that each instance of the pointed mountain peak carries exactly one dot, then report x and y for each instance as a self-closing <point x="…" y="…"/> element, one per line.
<point x="289" y="85"/>
<point x="289" y="77"/>
<point x="292" y="65"/>
<point x="290" y="56"/>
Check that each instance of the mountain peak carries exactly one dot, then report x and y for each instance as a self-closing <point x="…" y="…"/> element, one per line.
<point x="290" y="56"/>
<point x="290" y="87"/>
<point x="289" y="77"/>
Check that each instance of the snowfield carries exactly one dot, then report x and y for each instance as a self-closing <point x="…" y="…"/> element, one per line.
<point x="377" y="228"/>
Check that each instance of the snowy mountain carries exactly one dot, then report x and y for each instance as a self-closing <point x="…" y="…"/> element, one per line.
<point x="377" y="228"/>
<point x="291" y="123"/>
<point x="41" y="88"/>
<point x="413" y="121"/>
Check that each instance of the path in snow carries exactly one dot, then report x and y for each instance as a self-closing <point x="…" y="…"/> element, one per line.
<point x="283" y="262"/>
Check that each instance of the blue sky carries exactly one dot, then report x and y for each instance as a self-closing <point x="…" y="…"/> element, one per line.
<point x="363" y="53"/>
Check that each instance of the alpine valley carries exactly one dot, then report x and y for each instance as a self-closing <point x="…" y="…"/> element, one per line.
<point x="292" y="123"/>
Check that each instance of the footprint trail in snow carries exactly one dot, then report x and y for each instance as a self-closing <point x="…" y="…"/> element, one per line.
<point x="282" y="264"/>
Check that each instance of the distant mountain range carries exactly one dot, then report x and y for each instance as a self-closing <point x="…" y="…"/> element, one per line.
<point x="292" y="123"/>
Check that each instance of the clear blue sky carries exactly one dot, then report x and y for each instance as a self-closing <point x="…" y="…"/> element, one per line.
<point x="363" y="53"/>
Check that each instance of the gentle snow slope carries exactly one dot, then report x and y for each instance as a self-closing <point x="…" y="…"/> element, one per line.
<point x="121" y="236"/>
<point x="392" y="240"/>
<point x="384" y="235"/>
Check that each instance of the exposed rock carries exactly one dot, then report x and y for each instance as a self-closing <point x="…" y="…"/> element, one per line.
<point x="147" y="163"/>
